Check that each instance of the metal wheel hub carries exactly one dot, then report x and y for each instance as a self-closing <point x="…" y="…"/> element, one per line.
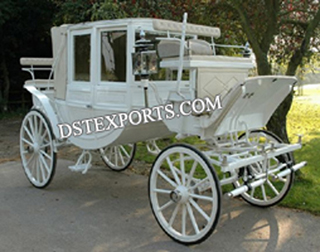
<point x="180" y="194"/>
<point x="36" y="147"/>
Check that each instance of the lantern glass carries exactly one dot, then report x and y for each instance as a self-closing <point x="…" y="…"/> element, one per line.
<point x="145" y="63"/>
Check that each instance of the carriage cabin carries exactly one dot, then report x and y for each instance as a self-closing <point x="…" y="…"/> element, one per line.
<point x="92" y="69"/>
<point x="92" y="62"/>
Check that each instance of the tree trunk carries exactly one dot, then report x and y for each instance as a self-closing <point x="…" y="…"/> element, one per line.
<point x="278" y="121"/>
<point x="263" y="65"/>
<point x="6" y="85"/>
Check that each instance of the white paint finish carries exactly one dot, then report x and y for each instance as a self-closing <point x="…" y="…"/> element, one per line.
<point x="172" y="26"/>
<point x="212" y="82"/>
<point x="36" y="61"/>
<point x="210" y="61"/>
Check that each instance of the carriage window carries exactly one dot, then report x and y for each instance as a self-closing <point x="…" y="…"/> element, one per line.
<point x="113" y="56"/>
<point x="163" y="74"/>
<point x="82" y="57"/>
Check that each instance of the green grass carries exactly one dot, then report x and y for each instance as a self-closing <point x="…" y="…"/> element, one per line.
<point x="303" y="118"/>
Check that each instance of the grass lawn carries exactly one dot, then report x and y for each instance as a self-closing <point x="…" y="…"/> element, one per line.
<point x="303" y="118"/>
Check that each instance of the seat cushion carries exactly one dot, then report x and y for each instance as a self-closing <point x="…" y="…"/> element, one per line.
<point x="171" y="48"/>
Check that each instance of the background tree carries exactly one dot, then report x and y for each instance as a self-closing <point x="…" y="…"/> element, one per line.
<point x="24" y="32"/>
<point x="287" y="26"/>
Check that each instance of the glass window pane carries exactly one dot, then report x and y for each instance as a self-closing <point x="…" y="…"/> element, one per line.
<point x="82" y="57"/>
<point x="113" y="56"/>
<point x="163" y="73"/>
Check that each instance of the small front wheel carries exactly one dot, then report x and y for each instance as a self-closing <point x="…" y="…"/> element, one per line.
<point x="37" y="150"/>
<point x="184" y="194"/>
<point x="118" y="158"/>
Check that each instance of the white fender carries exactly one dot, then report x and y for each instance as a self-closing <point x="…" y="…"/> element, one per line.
<point x="42" y="102"/>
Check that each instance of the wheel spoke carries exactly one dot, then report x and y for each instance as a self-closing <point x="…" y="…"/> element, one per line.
<point x="37" y="170"/>
<point x="252" y="192"/>
<point x="183" y="220"/>
<point x="202" y="197"/>
<point x="193" y="219"/>
<point x="174" y="215"/>
<point x="200" y="183"/>
<point x="263" y="193"/>
<point x="41" y="128"/>
<point x="46" y="155"/>
<point x="116" y="156"/>
<point x="45" y="145"/>
<point x="125" y="151"/>
<point x="45" y="164"/>
<point x="42" y="170"/>
<point x="35" y="121"/>
<point x="194" y="165"/>
<point x="30" y="159"/>
<point x="26" y="141"/>
<point x="172" y="169"/>
<point x="182" y="168"/>
<point x="272" y="187"/>
<point x="166" y="178"/>
<point x="120" y="156"/>
<point x="31" y="126"/>
<point x="198" y="208"/>
<point x="28" y="132"/>
<point x="163" y="191"/>
<point x="166" y="205"/>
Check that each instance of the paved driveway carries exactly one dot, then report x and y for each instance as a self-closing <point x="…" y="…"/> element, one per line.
<point x="109" y="211"/>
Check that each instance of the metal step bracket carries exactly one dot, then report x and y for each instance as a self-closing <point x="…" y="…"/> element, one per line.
<point x="83" y="163"/>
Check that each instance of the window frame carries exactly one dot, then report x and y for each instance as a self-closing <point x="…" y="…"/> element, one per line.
<point x="99" y="58"/>
<point x="71" y="62"/>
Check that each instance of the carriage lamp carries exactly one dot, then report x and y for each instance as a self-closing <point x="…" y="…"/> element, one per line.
<point x="145" y="63"/>
<point x="246" y="51"/>
<point x="144" y="60"/>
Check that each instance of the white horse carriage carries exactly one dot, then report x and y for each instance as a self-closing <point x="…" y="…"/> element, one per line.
<point x="103" y="77"/>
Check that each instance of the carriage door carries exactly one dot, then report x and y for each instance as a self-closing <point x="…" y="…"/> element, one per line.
<point x="79" y="88"/>
<point x="110" y="78"/>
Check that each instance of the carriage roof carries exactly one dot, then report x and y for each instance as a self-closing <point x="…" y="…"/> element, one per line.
<point x="156" y="24"/>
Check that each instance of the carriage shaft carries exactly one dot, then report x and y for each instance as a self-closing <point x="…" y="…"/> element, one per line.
<point x="238" y="163"/>
<point x="259" y="182"/>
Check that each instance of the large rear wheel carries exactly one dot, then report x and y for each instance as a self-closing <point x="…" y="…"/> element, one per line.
<point x="37" y="150"/>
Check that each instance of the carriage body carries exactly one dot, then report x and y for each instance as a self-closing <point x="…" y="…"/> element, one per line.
<point x="92" y="75"/>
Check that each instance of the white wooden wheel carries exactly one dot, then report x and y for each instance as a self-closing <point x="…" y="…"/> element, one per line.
<point x="118" y="158"/>
<point x="184" y="194"/>
<point x="37" y="149"/>
<point x="274" y="189"/>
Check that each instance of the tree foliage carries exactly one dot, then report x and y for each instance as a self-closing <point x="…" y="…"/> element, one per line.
<point x="279" y="31"/>
<point x="24" y="29"/>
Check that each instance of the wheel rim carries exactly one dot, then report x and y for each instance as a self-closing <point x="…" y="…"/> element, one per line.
<point x="118" y="157"/>
<point x="37" y="149"/>
<point x="184" y="194"/>
<point x="274" y="189"/>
